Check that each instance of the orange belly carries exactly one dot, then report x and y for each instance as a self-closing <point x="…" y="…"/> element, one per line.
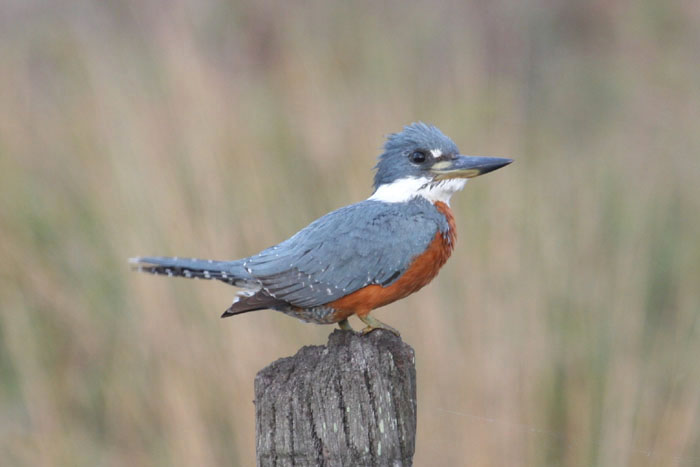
<point x="421" y="271"/>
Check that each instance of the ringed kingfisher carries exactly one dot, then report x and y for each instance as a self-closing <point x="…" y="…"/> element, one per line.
<point x="362" y="256"/>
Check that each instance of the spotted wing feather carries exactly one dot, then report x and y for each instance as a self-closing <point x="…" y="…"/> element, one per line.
<point x="366" y="243"/>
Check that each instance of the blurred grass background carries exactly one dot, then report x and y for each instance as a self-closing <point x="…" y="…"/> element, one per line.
<point x="564" y="330"/>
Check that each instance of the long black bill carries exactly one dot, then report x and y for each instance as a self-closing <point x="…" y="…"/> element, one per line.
<point x="468" y="166"/>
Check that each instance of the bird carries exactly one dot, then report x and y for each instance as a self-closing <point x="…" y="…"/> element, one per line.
<point x="360" y="257"/>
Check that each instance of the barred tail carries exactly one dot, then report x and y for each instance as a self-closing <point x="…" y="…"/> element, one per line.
<point x="231" y="272"/>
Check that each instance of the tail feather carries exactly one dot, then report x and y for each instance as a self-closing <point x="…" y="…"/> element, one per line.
<point x="252" y="300"/>
<point x="231" y="272"/>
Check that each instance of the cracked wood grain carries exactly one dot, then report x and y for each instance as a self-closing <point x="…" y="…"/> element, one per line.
<point x="350" y="402"/>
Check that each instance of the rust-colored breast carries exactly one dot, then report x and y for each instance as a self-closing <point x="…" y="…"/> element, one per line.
<point x="421" y="271"/>
<point x="452" y="227"/>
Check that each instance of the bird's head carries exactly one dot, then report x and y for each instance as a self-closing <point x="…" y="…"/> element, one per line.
<point x="422" y="161"/>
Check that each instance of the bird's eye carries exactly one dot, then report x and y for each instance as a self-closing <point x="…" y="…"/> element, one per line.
<point x="418" y="157"/>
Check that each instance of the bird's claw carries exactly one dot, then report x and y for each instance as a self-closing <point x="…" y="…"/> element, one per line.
<point x="373" y="323"/>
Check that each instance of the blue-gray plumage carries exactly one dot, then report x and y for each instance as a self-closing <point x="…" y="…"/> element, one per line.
<point x="370" y="242"/>
<point x="393" y="163"/>
<point x="361" y="256"/>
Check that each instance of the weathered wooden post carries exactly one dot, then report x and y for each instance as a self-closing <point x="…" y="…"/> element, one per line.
<point x="351" y="402"/>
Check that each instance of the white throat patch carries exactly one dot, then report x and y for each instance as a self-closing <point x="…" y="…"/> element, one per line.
<point x="405" y="189"/>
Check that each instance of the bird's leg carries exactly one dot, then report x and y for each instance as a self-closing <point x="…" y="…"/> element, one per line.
<point x="373" y="323"/>
<point x="345" y="325"/>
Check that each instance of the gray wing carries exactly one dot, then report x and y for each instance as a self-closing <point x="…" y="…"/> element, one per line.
<point x="365" y="243"/>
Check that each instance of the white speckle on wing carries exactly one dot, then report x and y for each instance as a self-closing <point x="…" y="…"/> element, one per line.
<point x="329" y="291"/>
<point x="224" y="275"/>
<point x="206" y="274"/>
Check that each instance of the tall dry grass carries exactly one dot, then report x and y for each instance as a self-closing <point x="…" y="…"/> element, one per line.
<point x="564" y="330"/>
